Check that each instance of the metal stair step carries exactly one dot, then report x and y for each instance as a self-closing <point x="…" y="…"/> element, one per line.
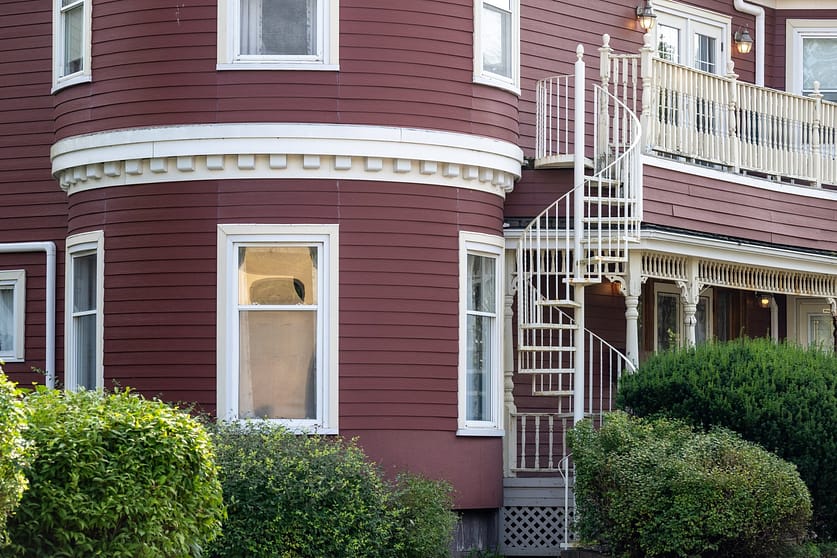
<point x="545" y="349"/>
<point x="560" y="303"/>
<point x="546" y="371"/>
<point x="552" y="393"/>
<point x="535" y="326"/>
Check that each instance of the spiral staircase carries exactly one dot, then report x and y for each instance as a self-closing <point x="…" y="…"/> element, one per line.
<point x="581" y="239"/>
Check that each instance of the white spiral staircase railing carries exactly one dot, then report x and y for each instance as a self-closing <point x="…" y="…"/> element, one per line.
<point x="578" y="240"/>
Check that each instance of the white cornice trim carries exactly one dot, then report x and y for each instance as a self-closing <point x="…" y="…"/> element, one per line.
<point x="730" y="251"/>
<point x="738" y="179"/>
<point x="796" y="4"/>
<point x="321" y="151"/>
<point x="668" y="242"/>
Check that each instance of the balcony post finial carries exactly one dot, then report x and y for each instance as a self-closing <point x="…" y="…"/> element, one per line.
<point x="604" y="55"/>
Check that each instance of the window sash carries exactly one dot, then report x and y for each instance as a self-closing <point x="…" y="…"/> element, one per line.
<point x="263" y="35"/>
<point x="7" y="321"/>
<point x="280" y="327"/>
<point x="497" y="40"/>
<point x="84" y="294"/>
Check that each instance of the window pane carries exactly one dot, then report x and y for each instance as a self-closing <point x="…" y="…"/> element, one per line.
<point x="819" y="63"/>
<point x="667" y="322"/>
<point x="482" y="280"/>
<point x="279" y="27"/>
<point x="277" y="275"/>
<point x="705" y="53"/>
<point x="84" y="332"/>
<point x="73" y="24"/>
<point x="820" y="331"/>
<point x="668" y="42"/>
<point x="496" y="41"/>
<point x="7" y="320"/>
<point x="479" y="366"/>
<point x="84" y="283"/>
<point x="702" y="317"/>
<point x="278" y="364"/>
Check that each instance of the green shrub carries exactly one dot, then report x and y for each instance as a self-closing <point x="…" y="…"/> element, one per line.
<point x="291" y="496"/>
<point x="426" y="521"/>
<point x="779" y="396"/>
<point x="649" y="488"/>
<point x="118" y="476"/>
<point x="14" y="451"/>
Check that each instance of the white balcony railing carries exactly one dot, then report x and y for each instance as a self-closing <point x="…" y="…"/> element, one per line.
<point x="716" y="120"/>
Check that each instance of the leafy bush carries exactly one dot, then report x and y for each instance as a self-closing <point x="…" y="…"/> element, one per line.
<point x="300" y="496"/>
<point x="14" y="452"/>
<point x="779" y="396"/>
<point x="425" y="521"/>
<point x="649" y="488"/>
<point x="115" y="475"/>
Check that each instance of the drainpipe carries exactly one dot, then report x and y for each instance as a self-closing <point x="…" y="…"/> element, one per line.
<point x="48" y="248"/>
<point x="758" y="12"/>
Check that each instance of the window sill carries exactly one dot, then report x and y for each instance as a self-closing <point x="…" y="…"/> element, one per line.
<point x="308" y="66"/>
<point x="69" y="81"/>
<point x="499" y="84"/>
<point x="484" y="432"/>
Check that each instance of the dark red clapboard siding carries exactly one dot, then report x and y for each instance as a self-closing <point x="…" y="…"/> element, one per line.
<point x="401" y="65"/>
<point x="697" y="203"/>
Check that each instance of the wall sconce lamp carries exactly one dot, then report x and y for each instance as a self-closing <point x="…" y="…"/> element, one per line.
<point x="763" y="300"/>
<point x="743" y="41"/>
<point x="645" y="16"/>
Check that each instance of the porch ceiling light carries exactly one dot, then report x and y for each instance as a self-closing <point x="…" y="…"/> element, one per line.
<point x="645" y="16"/>
<point x="743" y="41"/>
<point x="763" y="299"/>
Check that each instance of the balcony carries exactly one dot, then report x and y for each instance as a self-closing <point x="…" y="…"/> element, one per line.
<point x="703" y="119"/>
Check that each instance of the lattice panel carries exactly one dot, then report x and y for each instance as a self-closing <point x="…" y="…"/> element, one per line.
<point x="535" y="531"/>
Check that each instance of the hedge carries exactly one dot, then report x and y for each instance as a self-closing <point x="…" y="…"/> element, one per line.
<point x="655" y="488"/>
<point x="780" y="396"/>
<point x="115" y="475"/>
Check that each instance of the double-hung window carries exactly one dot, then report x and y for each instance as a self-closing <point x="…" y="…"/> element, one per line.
<point x="669" y="317"/>
<point x="812" y="56"/>
<point x="278" y="34"/>
<point x="71" y="42"/>
<point x="480" y="335"/>
<point x="12" y="314"/>
<point x="278" y="324"/>
<point x="84" y="318"/>
<point x="692" y="36"/>
<point x="497" y="43"/>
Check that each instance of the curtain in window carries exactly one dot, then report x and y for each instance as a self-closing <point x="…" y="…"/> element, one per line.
<point x="496" y="37"/>
<point x="278" y="315"/>
<point x="7" y="321"/>
<point x="481" y="325"/>
<point x="84" y="320"/>
<point x="819" y="63"/>
<point x="279" y="27"/>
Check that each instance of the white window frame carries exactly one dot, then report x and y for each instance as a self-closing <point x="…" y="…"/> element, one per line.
<point x="479" y="244"/>
<point x="230" y="237"/>
<point x="671" y="289"/>
<point x="82" y="245"/>
<point x="795" y="31"/>
<point x="229" y="42"/>
<point x="691" y="20"/>
<point x="59" y="78"/>
<point x="16" y="279"/>
<point x="484" y="76"/>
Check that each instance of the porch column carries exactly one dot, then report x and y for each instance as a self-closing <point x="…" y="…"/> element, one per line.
<point x="509" y="408"/>
<point x="631" y="289"/>
<point x="691" y="296"/>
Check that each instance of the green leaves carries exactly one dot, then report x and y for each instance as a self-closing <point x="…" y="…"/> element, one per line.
<point x="116" y="475"/>
<point x="297" y="496"/>
<point x="15" y="451"/>
<point x="655" y="488"/>
<point x="780" y="396"/>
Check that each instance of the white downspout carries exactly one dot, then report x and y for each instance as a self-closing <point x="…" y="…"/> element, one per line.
<point x="758" y="12"/>
<point x="49" y="248"/>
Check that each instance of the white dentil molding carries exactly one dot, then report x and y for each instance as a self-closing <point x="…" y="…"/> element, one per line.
<point x="280" y="151"/>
